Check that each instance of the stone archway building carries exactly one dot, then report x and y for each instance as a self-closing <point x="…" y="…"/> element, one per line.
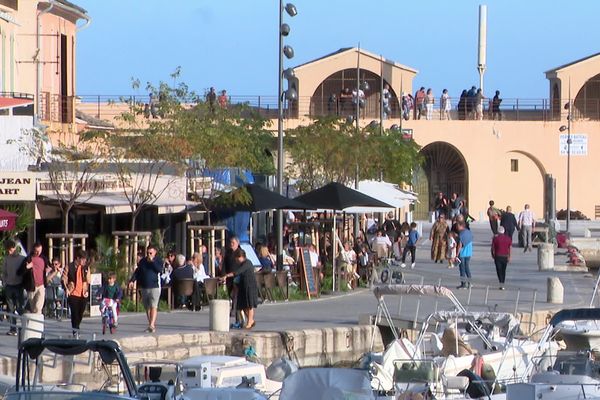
<point x="506" y="160"/>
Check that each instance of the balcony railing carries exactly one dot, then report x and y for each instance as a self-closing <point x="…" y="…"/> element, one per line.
<point x="511" y="109"/>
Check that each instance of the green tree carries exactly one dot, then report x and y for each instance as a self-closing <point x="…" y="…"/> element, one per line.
<point x="330" y="149"/>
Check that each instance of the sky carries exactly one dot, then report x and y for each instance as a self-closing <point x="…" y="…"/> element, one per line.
<point x="233" y="44"/>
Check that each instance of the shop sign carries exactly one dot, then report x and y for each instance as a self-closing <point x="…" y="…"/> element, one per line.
<point x="17" y="186"/>
<point x="579" y="144"/>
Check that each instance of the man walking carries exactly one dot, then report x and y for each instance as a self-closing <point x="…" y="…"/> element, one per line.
<point x="146" y="275"/>
<point x="509" y="222"/>
<point x="465" y="251"/>
<point x="33" y="271"/>
<point x="501" y="245"/>
<point x="526" y="225"/>
<point x="13" y="284"/>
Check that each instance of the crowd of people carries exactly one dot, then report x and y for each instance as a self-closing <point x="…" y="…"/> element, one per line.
<point x="152" y="107"/>
<point x="472" y="104"/>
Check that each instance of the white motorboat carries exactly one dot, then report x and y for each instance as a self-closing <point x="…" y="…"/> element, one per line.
<point x="466" y="353"/>
<point x="204" y="377"/>
<point x="327" y="383"/>
<point x="570" y="374"/>
<point x="42" y="364"/>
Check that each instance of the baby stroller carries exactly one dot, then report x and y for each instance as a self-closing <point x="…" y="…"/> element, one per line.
<point x="107" y="310"/>
<point x="56" y="301"/>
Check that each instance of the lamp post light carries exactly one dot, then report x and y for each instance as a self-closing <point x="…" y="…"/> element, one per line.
<point x="569" y="141"/>
<point x="289" y="94"/>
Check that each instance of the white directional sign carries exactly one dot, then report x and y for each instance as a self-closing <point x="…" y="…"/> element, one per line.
<point x="579" y="144"/>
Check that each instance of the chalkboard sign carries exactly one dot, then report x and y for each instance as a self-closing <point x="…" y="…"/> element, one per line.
<point x="307" y="273"/>
<point x="94" y="288"/>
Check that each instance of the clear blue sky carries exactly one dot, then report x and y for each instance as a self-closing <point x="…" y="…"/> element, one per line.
<point x="232" y="44"/>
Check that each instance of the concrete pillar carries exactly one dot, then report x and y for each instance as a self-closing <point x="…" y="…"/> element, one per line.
<point x="219" y="316"/>
<point x="555" y="291"/>
<point x="32" y="326"/>
<point x="545" y="257"/>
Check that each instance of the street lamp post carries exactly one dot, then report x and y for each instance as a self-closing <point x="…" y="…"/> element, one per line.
<point x="290" y="94"/>
<point x="569" y="141"/>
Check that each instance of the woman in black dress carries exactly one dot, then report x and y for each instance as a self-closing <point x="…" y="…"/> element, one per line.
<point x="247" y="298"/>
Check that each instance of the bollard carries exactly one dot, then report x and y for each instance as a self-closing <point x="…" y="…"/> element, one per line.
<point x="556" y="292"/>
<point x="219" y="316"/>
<point x="33" y="326"/>
<point x="545" y="257"/>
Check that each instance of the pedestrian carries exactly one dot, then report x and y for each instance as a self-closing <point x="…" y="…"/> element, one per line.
<point x="445" y="105"/>
<point x="465" y="251"/>
<point x="451" y="246"/>
<point x="440" y="205"/>
<point x="462" y="106"/>
<point x="454" y="205"/>
<point x="479" y="104"/>
<point x="381" y="245"/>
<point x="407" y="105"/>
<point x="153" y="106"/>
<point x="247" y="299"/>
<point x="386" y="96"/>
<point x="332" y="104"/>
<point x="496" y="100"/>
<point x="211" y="99"/>
<point x="526" y="223"/>
<point x="509" y="222"/>
<point x="111" y="290"/>
<point x="411" y="246"/>
<point x="223" y="100"/>
<point x="494" y="216"/>
<point x="146" y="275"/>
<point x="33" y="271"/>
<point x="429" y="101"/>
<point x="438" y="239"/>
<point x="77" y="281"/>
<point x="420" y="103"/>
<point x="230" y="265"/>
<point x="501" y="246"/>
<point x="471" y="102"/>
<point x="13" y="284"/>
<point x="391" y="227"/>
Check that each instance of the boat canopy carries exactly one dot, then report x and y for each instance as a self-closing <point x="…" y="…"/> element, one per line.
<point x="575" y="314"/>
<point x="504" y="321"/>
<point x="327" y="383"/>
<point x="107" y="349"/>
<point x="399" y="290"/>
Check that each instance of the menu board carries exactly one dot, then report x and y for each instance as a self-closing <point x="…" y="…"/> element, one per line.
<point x="307" y="273"/>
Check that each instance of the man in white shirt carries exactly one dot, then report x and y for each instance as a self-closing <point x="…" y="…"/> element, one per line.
<point x="526" y="222"/>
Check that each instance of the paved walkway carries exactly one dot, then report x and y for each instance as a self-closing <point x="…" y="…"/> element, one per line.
<point x="343" y="309"/>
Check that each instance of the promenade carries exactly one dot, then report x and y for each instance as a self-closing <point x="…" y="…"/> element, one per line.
<point x="343" y="309"/>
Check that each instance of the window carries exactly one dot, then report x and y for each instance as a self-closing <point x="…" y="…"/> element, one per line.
<point x="514" y="165"/>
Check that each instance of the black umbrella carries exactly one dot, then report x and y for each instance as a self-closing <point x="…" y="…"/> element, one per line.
<point x="263" y="199"/>
<point x="335" y="196"/>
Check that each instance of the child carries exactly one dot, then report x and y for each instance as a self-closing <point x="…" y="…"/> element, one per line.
<point x="451" y="249"/>
<point x="411" y="245"/>
<point x="111" y="291"/>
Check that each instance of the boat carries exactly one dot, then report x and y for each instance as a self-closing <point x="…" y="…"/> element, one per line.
<point x="43" y="363"/>
<point x="204" y="377"/>
<point x="573" y="373"/>
<point x="457" y="353"/>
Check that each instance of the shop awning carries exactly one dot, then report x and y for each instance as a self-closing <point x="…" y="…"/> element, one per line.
<point x="117" y="203"/>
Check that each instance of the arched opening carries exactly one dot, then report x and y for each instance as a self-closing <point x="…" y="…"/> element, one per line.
<point x="587" y="101"/>
<point x="444" y="170"/>
<point x="322" y="103"/>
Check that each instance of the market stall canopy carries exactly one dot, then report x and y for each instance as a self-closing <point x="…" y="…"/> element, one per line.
<point x="8" y="220"/>
<point x="335" y="196"/>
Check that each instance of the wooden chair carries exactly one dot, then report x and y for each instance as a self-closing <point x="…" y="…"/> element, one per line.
<point x="181" y="288"/>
